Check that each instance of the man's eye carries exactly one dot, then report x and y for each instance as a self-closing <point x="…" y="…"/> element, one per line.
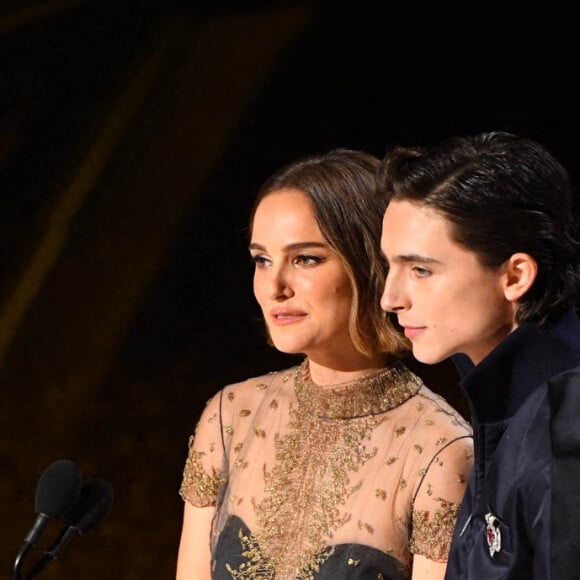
<point x="421" y="272"/>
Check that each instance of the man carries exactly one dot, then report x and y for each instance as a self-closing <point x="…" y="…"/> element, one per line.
<point x="483" y="265"/>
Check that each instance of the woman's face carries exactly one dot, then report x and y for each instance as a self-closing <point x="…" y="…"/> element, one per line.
<point x="299" y="282"/>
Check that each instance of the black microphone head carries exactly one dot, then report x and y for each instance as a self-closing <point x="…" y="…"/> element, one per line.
<point x="58" y="488"/>
<point x="93" y="505"/>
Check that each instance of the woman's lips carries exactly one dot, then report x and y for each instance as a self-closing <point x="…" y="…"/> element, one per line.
<point x="284" y="317"/>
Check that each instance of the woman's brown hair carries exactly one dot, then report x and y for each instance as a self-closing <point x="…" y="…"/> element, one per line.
<point x="340" y="186"/>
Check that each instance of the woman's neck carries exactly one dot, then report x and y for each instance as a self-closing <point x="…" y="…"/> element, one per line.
<point x="334" y="372"/>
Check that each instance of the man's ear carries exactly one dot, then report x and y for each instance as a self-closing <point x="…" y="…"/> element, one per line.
<point x="520" y="273"/>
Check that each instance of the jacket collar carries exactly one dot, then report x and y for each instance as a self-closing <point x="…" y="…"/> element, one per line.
<point x="522" y="362"/>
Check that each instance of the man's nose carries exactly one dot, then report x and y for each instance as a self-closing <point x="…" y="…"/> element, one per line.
<point x="394" y="297"/>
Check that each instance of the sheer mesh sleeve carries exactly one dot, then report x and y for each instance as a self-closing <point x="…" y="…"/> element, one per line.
<point x="204" y="474"/>
<point x="439" y="496"/>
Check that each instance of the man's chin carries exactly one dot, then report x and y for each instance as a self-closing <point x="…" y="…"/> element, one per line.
<point x="426" y="357"/>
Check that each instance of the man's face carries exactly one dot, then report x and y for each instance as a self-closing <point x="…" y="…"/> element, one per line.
<point x="447" y="301"/>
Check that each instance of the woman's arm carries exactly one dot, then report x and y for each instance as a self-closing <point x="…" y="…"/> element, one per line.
<point x="203" y="476"/>
<point x="425" y="569"/>
<point x="436" y="504"/>
<point x="194" y="556"/>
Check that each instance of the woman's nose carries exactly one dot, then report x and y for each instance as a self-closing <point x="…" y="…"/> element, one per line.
<point x="280" y="286"/>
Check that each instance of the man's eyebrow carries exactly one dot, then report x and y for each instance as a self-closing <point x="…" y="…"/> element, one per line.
<point x="404" y="258"/>
<point x="290" y="247"/>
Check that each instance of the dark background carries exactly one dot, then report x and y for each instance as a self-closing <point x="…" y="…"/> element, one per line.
<point x="133" y="136"/>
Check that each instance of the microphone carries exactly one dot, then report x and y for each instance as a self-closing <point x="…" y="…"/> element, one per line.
<point x="56" y="492"/>
<point x="94" y="504"/>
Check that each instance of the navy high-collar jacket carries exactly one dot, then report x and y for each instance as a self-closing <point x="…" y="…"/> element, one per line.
<point x="517" y="519"/>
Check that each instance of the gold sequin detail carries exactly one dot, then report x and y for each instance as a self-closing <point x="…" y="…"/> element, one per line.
<point x="429" y="422"/>
<point x="230" y="396"/>
<point x="432" y="532"/>
<point x="381" y="494"/>
<point x="237" y="447"/>
<point x="261" y="386"/>
<point x="259" y="432"/>
<point x="352" y="562"/>
<point x="245" y="413"/>
<point x="229" y="430"/>
<point x="400" y="431"/>
<point x="417" y="448"/>
<point x="375" y="393"/>
<point x="320" y="453"/>
<point x="441" y="440"/>
<point x="258" y="566"/>
<point x="391" y="460"/>
<point x="199" y="487"/>
<point x="212" y="418"/>
<point x="273" y="404"/>
<point x="402" y="483"/>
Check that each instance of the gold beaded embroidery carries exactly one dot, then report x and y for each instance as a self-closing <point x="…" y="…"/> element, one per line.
<point x="319" y="453"/>
<point x="197" y="486"/>
<point x="431" y="535"/>
<point x="258" y="566"/>
<point x="310" y="481"/>
<point x="374" y="394"/>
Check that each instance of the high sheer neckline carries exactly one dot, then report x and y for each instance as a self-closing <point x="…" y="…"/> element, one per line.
<point x="377" y="392"/>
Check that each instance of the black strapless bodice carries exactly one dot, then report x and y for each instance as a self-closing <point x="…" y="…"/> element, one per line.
<point x="234" y="558"/>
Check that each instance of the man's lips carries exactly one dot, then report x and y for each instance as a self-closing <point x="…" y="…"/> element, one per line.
<point x="413" y="331"/>
<point x="283" y="316"/>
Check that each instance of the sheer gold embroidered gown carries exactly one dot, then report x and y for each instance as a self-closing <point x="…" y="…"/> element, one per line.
<point x="314" y="482"/>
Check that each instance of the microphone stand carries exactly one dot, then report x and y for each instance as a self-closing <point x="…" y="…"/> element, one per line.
<point x="53" y="552"/>
<point x="16" y="574"/>
<point x="30" y="540"/>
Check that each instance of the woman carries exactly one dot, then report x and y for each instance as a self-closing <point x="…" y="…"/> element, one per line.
<point x="345" y="466"/>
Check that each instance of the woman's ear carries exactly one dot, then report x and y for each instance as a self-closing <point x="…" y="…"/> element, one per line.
<point x="520" y="273"/>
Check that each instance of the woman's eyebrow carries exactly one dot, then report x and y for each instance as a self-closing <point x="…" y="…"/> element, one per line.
<point x="290" y="247"/>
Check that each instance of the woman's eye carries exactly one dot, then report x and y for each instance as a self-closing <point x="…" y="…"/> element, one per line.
<point x="259" y="261"/>
<point x="307" y="260"/>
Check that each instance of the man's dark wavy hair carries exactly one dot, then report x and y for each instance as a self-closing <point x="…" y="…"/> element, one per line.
<point x="502" y="194"/>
